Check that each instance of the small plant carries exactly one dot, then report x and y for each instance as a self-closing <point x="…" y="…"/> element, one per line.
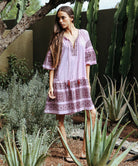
<point x="133" y="110"/>
<point x="18" y="67"/>
<point x="4" y="80"/>
<point x="28" y="153"/>
<point x="99" y="146"/>
<point x="113" y="100"/>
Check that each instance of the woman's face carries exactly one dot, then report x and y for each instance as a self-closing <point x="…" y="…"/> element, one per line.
<point x="64" y="19"/>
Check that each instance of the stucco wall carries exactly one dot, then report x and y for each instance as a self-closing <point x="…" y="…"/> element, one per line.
<point x="22" y="47"/>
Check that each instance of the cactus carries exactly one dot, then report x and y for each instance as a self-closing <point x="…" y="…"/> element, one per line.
<point x="77" y="13"/>
<point x="92" y="17"/>
<point x="125" y="63"/>
<point x="115" y="49"/>
<point x="21" y="5"/>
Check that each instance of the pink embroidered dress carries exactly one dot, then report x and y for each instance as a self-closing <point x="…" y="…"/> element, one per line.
<point x="70" y="84"/>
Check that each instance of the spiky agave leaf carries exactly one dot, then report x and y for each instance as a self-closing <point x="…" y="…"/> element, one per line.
<point x="70" y="152"/>
<point x="132" y="112"/>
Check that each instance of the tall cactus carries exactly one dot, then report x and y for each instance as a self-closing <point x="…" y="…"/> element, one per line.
<point x="127" y="49"/>
<point x="115" y="49"/>
<point x="92" y="17"/>
<point x="77" y="13"/>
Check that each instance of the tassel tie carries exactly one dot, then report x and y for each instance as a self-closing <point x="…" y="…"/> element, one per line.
<point x="69" y="82"/>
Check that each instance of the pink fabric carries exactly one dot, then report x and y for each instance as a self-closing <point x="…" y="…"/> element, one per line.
<point x="71" y="86"/>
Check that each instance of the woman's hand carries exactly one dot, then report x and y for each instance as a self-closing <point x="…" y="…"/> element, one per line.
<point x="51" y="93"/>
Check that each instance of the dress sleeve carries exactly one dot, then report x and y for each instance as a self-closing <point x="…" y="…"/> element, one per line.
<point x="48" y="61"/>
<point x="90" y="56"/>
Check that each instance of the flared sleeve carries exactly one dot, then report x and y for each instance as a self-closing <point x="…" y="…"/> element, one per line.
<point x="90" y="56"/>
<point x="48" y="61"/>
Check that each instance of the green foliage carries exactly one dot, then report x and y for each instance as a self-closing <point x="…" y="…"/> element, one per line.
<point x="18" y="67"/>
<point x="23" y="104"/>
<point x="77" y="13"/>
<point x="92" y="17"/>
<point x="113" y="100"/>
<point x="28" y="153"/>
<point x="4" y="80"/>
<point x="16" y="8"/>
<point x="94" y="88"/>
<point x="115" y="49"/>
<point x="123" y="37"/>
<point x="125" y="62"/>
<point x="133" y="109"/>
<point x="99" y="146"/>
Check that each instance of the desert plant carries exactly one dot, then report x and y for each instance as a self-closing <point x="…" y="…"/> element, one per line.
<point x="114" y="104"/>
<point x="133" y="109"/>
<point x="115" y="49"/>
<point x="99" y="146"/>
<point x="127" y="50"/>
<point x="28" y="153"/>
<point x="92" y="17"/>
<point x="94" y="88"/>
<point x="20" y="67"/>
<point x="77" y="13"/>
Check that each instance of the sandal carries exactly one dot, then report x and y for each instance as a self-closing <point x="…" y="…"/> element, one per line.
<point x="68" y="159"/>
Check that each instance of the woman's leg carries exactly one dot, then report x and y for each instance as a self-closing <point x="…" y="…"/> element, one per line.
<point x="60" y="119"/>
<point x="93" y="116"/>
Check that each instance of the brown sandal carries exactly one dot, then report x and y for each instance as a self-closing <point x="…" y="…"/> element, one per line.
<point x="68" y="159"/>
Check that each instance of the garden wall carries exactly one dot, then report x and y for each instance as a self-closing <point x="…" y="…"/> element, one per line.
<point x="22" y="47"/>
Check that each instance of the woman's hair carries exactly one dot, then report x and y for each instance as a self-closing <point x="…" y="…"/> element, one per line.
<point x="56" y="41"/>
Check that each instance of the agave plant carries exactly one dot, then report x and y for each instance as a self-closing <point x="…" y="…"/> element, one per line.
<point x="28" y="154"/>
<point x="114" y="103"/>
<point x="133" y="110"/>
<point x="99" y="146"/>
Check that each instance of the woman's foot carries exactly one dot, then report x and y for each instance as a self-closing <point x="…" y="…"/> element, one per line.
<point x="83" y="155"/>
<point x="68" y="159"/>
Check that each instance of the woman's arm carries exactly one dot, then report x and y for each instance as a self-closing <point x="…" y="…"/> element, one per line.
<point x="51" y="78"/>
<point x="88" y="75"/>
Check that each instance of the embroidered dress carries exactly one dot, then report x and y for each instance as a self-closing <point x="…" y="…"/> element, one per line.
<point x="70" y="84"/>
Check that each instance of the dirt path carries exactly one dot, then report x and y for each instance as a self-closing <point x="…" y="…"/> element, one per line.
<point x="57" y="155"/>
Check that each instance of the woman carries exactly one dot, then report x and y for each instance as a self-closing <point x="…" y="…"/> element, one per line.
<point x="68" y="59"/>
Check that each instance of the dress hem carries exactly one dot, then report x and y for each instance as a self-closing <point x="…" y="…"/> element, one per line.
<point x="68" y="112"/>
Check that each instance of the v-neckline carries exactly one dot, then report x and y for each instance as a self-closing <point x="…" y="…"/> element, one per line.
<point x="72" y="44"/>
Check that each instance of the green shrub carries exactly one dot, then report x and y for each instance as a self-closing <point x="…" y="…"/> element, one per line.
<point x="23" y="104"/>
<point x="18" y="67"/>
